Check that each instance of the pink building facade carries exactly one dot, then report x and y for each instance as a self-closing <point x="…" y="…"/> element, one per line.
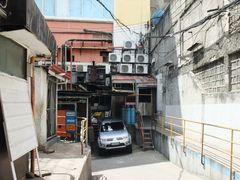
<point x="89" y="40"/>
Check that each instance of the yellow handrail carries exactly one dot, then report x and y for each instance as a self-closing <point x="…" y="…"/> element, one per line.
<point x="201" y="138"/>
<point x="83" y="132"/>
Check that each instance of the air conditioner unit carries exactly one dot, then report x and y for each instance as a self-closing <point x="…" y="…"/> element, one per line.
<point x="129" y="45"/>
<point x="126" y="68"/>
<point x="141" y="69"/>
<point x="81" y="68"/>
<point x="74" y="68"/>
<point x="142" y="58"/>
<point x="128" y="58"/>
<point x="115" y="68"/>
<point x="68" y="68"/>
<point x="114" y="57"/>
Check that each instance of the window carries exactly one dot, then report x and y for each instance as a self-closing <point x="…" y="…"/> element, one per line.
<point x="49" y="8"/>
<point x="114" y="126"/>
<point x="234" y="71"/>
<point x="145" y="95"/>
<point x="198" y="55"/>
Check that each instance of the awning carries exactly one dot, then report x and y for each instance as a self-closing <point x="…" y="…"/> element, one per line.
<point x="59" y="73"/>
<point x="139" y="80"/>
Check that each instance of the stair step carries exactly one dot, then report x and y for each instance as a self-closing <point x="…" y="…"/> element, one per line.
<point x="147" y="133"/>
<point x="148" y="147"/>
<point x="147" y="138"/>
<point x="147" y="143"/>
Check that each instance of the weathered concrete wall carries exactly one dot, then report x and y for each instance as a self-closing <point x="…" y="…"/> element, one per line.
<point x="41" y="85"/>
<point x="86" y="173"/>
<point x="191" y="160"/>
<point x="181" y="92"/>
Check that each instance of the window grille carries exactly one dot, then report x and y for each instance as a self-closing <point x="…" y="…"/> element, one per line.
<point x="211" y="76"/>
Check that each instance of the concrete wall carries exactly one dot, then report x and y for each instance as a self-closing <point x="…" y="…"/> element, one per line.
<point x="196" y="68"/>
<point x="181" y="92"/>
<point x="191" y="160"/>
<point x="86" y="173"/>
<point x="41" y="85"/>
<point x="134" y="14"/>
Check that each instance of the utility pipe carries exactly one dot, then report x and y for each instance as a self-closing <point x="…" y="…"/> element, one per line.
<point x="32" y="167"/>
<point x="33" y="95"/>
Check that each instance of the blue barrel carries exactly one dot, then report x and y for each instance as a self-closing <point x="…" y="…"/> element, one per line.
<point x="128" y="115"/>
<point x="133" y="115"/>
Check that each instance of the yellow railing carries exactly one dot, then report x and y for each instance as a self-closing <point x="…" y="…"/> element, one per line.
<point x="83" y="132"/>
<point x="217" y="142"/>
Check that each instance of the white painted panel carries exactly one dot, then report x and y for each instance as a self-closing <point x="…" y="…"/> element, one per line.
<point x="18" y="120"/>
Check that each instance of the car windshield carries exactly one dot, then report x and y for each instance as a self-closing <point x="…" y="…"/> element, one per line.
<point x="113" y="126"/>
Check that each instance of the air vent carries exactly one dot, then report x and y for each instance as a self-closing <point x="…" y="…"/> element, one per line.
<point x="128" y="58"/>
<point x="114" y="57"/>
<point x="142" y="58"/>
<point x="126" y="68"/>
<point x="129" y="45"/>
<point x="141" y="69"/>
<point x="68" y="68"/>
<point x="81" y="68"/>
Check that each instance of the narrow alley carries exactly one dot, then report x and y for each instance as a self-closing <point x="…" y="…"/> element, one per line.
<point x="119" y="89"/>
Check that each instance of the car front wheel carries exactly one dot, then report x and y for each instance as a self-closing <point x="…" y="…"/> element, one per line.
<point x="129" y="149"/>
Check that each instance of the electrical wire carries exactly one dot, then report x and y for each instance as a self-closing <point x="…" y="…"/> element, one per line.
<point x="5" y="5"/>
<point x="202" y="21"/>
<point x="116" y="19"/>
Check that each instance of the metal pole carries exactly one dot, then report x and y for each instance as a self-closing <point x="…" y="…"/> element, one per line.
<point x="202" y="145"/>
<point x="231" y="155"/>
<point x="40" y="173"/>
<point x="33" y="96"/>
<point x="162" y="124"/>
<point x="171" y="128"/>
<point x="13" y="170"/>
<point x="71" y="66"/>
<point x="86" y="132"/>
<point x="184" y="135"/>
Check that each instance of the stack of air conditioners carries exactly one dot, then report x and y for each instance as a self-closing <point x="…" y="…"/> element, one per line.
<point x="127" y="62"/>
<point x="141" y="66"/>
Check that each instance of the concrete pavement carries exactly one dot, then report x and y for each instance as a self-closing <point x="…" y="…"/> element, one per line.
<point x="141" y="165"/>
<point x="66" y="163"/>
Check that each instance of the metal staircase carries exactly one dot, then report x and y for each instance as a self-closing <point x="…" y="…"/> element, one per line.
<point x="146" y="133"/>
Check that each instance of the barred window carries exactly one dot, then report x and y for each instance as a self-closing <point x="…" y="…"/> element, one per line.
<point x="234" y="71"/>
<point x="211" y="76"/>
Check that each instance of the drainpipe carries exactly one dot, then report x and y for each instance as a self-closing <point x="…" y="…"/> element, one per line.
<point x="32" y="167"/>
<point x="71" y="59"/>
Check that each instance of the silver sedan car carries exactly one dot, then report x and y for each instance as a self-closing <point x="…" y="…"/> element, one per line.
<point x="113" y="134"/>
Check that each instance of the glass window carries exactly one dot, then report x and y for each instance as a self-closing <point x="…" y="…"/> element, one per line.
<point x="49" y="7"/>
<point x="113" y="126"/>
<point x="75" y="8"/>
